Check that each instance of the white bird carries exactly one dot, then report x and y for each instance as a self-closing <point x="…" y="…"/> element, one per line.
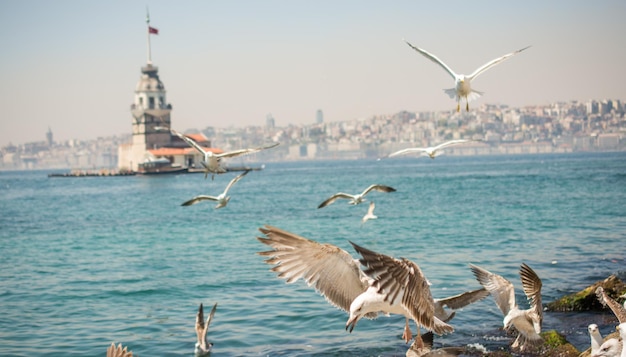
<point x="610" y="348"/>
<point x="596" y="338"/>
<point x="388" y="285"/>
<point x="432" y="151"/>
<point x="222" y="200"/>
<point x="526" y="322"/>
<point x="203" y="346"/>
<point x="358" y="198"/>
<point x="212" y="161"/>
<point x="618" y="309"/>
<point x="462" y="83"/>
<point x="370" y="213"/>
<point x="118" y="351"/>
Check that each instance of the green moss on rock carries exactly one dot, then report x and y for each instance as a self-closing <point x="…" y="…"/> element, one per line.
<point x="586" y="300"/>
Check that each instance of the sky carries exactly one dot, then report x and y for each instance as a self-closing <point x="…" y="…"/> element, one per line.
<point x="72" y="65"/>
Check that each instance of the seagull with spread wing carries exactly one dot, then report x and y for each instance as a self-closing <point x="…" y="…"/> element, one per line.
<point x="387" y="285"/>
<point x="526" y="322"/>
<point x="203" y="346"/>
<point x="618" y="309"/>
<point x="358" y="198"/>
<point x="212" y="161"/>
<point x="462" y="83"/>
<point x="223" y="198"/>
<point x="431" y="151"/>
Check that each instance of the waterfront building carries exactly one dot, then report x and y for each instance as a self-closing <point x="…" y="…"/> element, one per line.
<point x="153" y="147"/>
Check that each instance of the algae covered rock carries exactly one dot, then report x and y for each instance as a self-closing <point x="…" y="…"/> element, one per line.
<point x="554" y="345"/>
<point x="586" y="299"/>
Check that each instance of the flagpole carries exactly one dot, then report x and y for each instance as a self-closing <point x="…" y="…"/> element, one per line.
<point x="148" y="33"/>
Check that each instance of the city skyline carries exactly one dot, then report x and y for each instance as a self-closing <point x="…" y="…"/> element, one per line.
<point x="73" y="66"/>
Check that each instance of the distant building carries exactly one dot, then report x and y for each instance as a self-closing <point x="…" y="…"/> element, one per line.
<point x="270" y="123"/>
<point x="49" y="137"/>
<point x="319" y="117"/>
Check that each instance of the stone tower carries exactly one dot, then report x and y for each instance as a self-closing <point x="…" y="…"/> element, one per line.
<point x="150" y="115"/>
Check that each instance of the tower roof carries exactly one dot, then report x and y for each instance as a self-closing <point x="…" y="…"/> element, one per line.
<point x="150" y="81"/>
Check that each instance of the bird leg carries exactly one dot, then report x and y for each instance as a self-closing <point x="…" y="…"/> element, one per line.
<point x="407" y="335"/>
<point x="458" y="106"/>
<point x="466" y="104"/>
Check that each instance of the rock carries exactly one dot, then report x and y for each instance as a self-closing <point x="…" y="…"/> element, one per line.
<point x="586" y="300"/>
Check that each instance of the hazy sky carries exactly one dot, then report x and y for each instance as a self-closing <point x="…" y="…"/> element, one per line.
<point x="72" y="65"/>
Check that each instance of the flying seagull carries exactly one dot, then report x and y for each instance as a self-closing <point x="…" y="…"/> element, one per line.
<point x="212" y="161"/>
<point x="118" y="351"/>
<point x="203" y="346"/>
<point x="462" y="83"/>
<point x="387" y="285"/>
<point x="370" y="213"/>
<point x="358" y="198"/>
<point x="432" y="151"/>
<point x="222" y="200"/>
<point x="526" y="322"/>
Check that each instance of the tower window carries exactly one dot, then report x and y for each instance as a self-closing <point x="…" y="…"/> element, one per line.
<point x="161" y="102"/>
<point x="151" y="103"/>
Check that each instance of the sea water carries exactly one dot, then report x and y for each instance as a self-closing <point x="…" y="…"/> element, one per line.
<point x="94" y="260"/>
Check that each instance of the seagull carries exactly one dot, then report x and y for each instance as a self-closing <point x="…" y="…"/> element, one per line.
<point x="222" y="200"/>
<point x="457" y="302"/>
<point x="388" y="285"/>
<point x="610" y="348"/>
<point x="113" y="351"/>
<point x="617" y="308"/>
<point x="462" y="83"/>
<point x="526" y="322"/>
<point x="596" y="338"/>
<point x="211" y="161"/>
<point x="432" y="151"/>
<point x="370" y="213"/>
<point x="203" y="346"/>
<point x="358" y="198"/>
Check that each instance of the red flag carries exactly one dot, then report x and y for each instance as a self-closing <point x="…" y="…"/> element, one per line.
<point x="153" y="30"/>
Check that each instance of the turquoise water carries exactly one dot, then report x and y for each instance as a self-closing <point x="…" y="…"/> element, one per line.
<point x="89" y="261"/>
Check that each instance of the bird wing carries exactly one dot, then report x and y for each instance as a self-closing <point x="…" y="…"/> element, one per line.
<point x="376" y="187"/>
<point x="201" y="327"/>
<point x="113" y="351"/>
<point x="531" y="283"/>
<point x="461" y="300"/>
<point x="449" y="143"/>
<point x="328" y="268"/>
<point x="370" y="210"/>
<point x="199" y="198"/>
<point x="617" y="308"/>
<point x="492" y="63"/>
<point x="433" y="58"/>
<point x="500" y="288"/>
<point x="190" y="141"/>
<point x="232" y="182"/>
<point x="245" y="151"/>
<point x="334" y="197"/>
<point x="402" y="281"/>
<point x="407" y="151"/>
